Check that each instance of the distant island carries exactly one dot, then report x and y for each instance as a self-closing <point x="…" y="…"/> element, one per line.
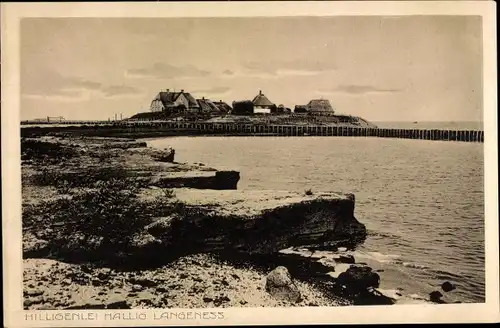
<point x="170" y="105"/>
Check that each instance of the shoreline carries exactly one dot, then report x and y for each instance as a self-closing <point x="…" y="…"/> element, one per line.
<point x="314" y="271"/>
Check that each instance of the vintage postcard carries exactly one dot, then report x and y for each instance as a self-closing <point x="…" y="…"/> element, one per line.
<point x="230" y="163"/>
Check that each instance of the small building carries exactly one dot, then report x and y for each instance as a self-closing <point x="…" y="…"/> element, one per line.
<point x="262" y="105"/>
<point x="207" y="106"/>
<point x="320" y="107"/>
<point x="245" y="107"/>
<point x="170" y="101"/>
<point x="223" y="106"/>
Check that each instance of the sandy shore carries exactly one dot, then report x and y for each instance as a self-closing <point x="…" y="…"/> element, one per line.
<point x="196" y="281"/>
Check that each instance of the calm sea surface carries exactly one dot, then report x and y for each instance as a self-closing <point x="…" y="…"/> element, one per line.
<point x="431" y="125"/>
<point x="422" y="201"/>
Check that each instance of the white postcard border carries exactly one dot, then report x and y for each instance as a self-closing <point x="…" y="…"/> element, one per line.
<point x="11" y="209"/>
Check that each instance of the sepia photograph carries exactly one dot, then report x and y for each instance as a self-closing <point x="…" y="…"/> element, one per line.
<point x="272" y="161"/>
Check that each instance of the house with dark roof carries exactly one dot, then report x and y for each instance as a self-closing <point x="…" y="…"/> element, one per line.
<point x="207" y="106"/>
<point x="166" y="101"/>
<point x="316" y="107"/>
<point x="243" y="107"/>
<point x="223" y="106"/>
<point x="262" y="105"/>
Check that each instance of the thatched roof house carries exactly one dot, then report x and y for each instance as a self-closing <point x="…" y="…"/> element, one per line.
<point x="262" y="104"/>
<point x="223" y="107"/>
<point x="165" y="100"/>
<point x="207" y="105"/>
<point x="322" y="106"/>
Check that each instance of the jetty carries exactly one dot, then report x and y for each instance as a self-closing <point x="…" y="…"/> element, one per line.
<point x="144" y="129"/>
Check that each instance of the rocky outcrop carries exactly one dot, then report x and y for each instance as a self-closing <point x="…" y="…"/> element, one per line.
<point x="166" y="155"/>
<point x="256" y="222"/>
<point x="79" y="162"/>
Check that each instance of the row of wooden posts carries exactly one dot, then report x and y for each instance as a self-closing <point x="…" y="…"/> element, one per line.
<point x="313" y="130"/>
<point x="180" y="128"/>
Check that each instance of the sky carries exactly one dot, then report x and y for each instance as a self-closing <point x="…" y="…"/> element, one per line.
<point x="398" y="68"/>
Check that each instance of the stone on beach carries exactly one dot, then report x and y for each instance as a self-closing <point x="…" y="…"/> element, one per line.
<point x="435" y="297"/>
<point x="358" y="278"/>
<point x="345" y="259"/>
<point x="448" y="286"/>
<point x="280" y="285"/>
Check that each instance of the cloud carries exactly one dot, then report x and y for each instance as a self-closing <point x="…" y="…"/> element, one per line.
<point x="287" y="68"/>
<point x="228" y="72"/>
<point x="166" y="71"/>
<point x="120" y="90"/>
<point x="353" y="89"/>
<point x="51" y="85"/>
<point x="212" y="92"/>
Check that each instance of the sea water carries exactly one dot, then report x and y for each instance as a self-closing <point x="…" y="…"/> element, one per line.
<point x="421" y="201"/>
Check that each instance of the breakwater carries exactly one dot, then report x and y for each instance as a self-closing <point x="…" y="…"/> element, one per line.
<point x="157" y="129"/>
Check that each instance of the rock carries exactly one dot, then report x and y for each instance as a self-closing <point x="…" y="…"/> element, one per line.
<point x="371" y="296"/>
<point x="144" y="240"/>
<point x="436" y="296"/>
<point x="345" y="259"/>
<point x="166" y="155"/>
<point x="104" y="274"/>
<point x="448" y="286"/>
<point x="357" y="279"/>
<point x="146" y="301"/>
<point x="29" y="302"/>
<point x="137" y="288"/>
<point x="96" y="282"/>
<point x="220" y="300"/>
<point x="118" y="305"/>
<point x="161" y="225"/>
<point x="144" y="282"/>
<point x="280" y="285"/>
<point x="34" y="292"/>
